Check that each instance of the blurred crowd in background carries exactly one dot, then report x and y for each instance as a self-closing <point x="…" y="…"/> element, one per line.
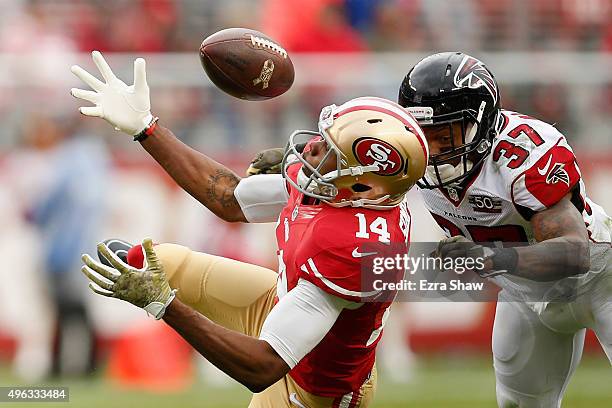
<point x="67" y="182"/>
<point x="52" y="31"/>
<point x="314" y="25"/>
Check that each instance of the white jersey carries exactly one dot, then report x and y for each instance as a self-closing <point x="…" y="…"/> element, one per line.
<point x="530" y="168"/>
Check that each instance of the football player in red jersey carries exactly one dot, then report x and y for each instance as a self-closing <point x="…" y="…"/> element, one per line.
<point x="305" y="336"/>
<point x="496" y="175"/>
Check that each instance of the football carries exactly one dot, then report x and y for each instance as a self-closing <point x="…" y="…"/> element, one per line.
<point x="247" y="64"/>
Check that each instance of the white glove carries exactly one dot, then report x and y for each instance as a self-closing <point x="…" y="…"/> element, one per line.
<point x="127" y="108"/>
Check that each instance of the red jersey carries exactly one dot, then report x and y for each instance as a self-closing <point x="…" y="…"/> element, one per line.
<point x="320" y="243"/>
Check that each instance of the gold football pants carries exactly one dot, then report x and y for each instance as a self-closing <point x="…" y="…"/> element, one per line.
<point x="239" y="296"/>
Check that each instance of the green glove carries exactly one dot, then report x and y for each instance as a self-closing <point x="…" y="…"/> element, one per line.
<point x="146" y="288"/>
<point x="267" y="162"/>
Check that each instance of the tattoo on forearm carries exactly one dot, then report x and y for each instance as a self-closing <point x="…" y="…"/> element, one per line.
<point x="557" y="221"/>
<point x="562" y="248"/>
<point x="549" y="227"/>
<point x="221" y="186"/>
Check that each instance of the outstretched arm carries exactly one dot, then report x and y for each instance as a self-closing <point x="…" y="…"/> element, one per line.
<point x="128" y="109"/>
<point x="209" y="182"/>
<point x="296" y="324"/>
<point x="250" y="361"/>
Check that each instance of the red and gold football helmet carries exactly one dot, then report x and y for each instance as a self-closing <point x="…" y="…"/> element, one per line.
<point x="380" y="153"/>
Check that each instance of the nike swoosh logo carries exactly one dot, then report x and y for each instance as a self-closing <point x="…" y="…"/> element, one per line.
<point x="545" y="169"/>
<point x="295" y="401"/>
<point x="357" y="254"/>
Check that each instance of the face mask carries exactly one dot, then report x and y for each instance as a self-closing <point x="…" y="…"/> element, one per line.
<point x="303" y="179"/>
<point x="448" y="171"/>
<point x="314" y="187"/>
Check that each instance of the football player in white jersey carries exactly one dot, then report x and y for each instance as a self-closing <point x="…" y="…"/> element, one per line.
<point x="496" y="175"/>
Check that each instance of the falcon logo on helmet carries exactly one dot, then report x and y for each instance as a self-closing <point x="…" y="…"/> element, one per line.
<point x="473" y="74"/>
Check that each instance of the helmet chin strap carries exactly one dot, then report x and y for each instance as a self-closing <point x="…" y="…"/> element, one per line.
<point x="472" y="128"/>
<point x="310" y="185"/>
<point x="325" y="188"/>
<point x="327" y="193"/>
<point x="364" y="202"/>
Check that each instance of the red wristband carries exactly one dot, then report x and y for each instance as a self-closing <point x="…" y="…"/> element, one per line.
<point x="148" y="131"/>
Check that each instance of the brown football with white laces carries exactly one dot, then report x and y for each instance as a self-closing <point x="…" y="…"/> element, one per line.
<point x="247" y="64"/>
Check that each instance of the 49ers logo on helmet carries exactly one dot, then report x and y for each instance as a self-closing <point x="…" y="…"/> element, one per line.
<point x="370" y="151"/>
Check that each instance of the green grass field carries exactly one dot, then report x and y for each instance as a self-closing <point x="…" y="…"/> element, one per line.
<point x="451" y="382"/>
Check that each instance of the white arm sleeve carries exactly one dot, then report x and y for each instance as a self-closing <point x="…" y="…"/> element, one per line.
<point x="262" y="197"/>
<point x="300" y="320"/>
